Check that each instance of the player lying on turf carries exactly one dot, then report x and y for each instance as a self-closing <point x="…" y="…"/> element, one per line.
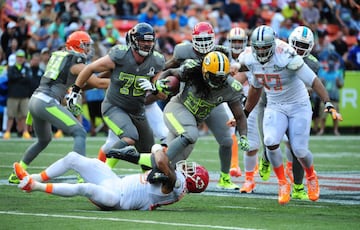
<point x="162" y="185"/>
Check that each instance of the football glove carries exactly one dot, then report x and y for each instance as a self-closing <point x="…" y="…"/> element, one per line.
<point x="73" y="100"/>
<point x="244" y="143"/>
<point x="161" y="86"/>
<point x="156" y="176"/>
<point x="329" y="108"/>
<point x="146" y="85"/>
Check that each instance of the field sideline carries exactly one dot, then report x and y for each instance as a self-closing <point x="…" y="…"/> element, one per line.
<point x="336" y="161"/>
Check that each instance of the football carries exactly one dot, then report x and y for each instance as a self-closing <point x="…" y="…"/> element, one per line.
<point x="173" y="83"/>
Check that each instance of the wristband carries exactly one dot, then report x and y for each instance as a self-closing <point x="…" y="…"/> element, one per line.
<point x="76" y="89"/>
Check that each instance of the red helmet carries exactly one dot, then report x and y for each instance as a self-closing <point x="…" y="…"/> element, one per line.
<point x="79" y="41"/>
<point x="197" y="177"/>
<point x="203" y="37"/>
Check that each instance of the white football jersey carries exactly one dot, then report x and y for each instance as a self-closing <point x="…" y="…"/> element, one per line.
<point x="138" y="194"/>
<point x="282" y="84"/>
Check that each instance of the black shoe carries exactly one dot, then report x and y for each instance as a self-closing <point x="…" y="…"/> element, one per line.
<point x="128" y="153"/>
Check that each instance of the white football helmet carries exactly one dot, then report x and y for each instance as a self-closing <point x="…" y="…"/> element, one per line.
<point x="197" y="177"/>
<point x="237" y="39"/>
<point x="203" y="37"/>
<point x="263" y="43"/>
<point x="302" y="40"/>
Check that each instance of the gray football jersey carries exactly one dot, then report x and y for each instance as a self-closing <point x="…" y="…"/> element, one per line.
<point x="201" y="107"/>
<point x="57" y="77"/>
<point x="124" y="90"/>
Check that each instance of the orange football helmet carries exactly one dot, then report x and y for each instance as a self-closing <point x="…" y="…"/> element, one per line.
<point x="79" y="41"/>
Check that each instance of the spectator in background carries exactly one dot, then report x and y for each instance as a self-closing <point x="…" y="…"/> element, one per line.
<point x="256" y="19"/>
<point x="285" y="29"/>
<point x="23" y="29"/>
<point x="14" y="46"/>
<point x="178" y="20"/>
<point x="321" y="43"/>
<point x="48" y="11"/>
<point x="343" y="14"/>
<point x="125" y="10"/>
<point x="277" y="20"/>
<point x="332" y="77"/>
<point x="145" y="5"/>
<point x="19" y="76"/>
<point x="150" y="16"/>
<point x="290" y="8"/>
<point x="44" y="58"/>
<point x="42" y="35"/>
<point x="88" y="10"/>
<point x="7" y="36"/>
<point x="248" y="9"/>
<point x="326" y="10"/>
<point x="340" y="45"/>
<point x="311" y="14"/>
<point x="111" y="36"/>
<point x="36" y="70"/>
<point x="55" y="42"/>
<point x="233" y="9"/>
<point x="353" y="57"/>
<point x="105" y="10"/>
<point x="223" y="22"/>
<point x="59" y="26"/>
<point x="15" y="8"/>
<point x="31" y="17"/>
<point x="72" y="14"/>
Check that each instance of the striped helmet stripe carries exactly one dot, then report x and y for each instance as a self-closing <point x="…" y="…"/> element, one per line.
<point x="305" y="32"/>
<point x="260" y="34"/>
<point x="221" y="62"/>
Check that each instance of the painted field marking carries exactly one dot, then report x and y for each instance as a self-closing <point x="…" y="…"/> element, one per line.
<point x="122" y="220"/>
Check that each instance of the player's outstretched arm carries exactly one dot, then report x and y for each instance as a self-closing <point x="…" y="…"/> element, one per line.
<point x="162" y="163"/>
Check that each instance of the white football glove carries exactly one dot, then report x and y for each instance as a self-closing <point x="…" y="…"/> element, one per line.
<point x="146" y="85"/>
<point x="73" y="102"/>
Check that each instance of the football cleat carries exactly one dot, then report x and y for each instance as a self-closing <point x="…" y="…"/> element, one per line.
<point x="235" y="172"/>
<point x="313" y="187"/>
<point x="20" y="171"/>
<point x="225" y="182"/>
<point x="13" y="179"/>
<point x="299" y="192"/>
<point x="264" y="169"/>
<point x="248" y="186"/>
<point x="128" y="153"/>
<point x="26" y="184"/>
<point x="284" y="192"/>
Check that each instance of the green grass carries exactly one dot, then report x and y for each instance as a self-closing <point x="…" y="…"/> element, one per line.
<point x="19" y="210"/>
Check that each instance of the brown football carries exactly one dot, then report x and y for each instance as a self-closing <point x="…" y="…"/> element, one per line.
<point x="173" y="83"/>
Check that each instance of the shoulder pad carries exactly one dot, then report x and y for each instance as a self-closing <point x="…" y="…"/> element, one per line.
<point x="295" y="63"/>
<point x="117" y="52"/>
<point x="235" y="84"/>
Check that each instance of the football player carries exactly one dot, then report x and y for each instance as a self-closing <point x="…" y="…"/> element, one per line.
<point x="203" y="42"/>
<point x="282" y="73"/>
<point x="45" y="107"/>
<point x="133" y="70"/>
<point x="200" y="95"/>
<point x="109" y="192"/>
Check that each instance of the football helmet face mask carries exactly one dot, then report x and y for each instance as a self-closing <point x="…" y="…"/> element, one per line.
<point x="263" y="43"/>
<point x="203" y="37"/>
<point x="215" y="69"/>
<point x="237" y="39"/>
<point x="197" y="177"/>
<point x="302" y="40"/>
<point x="79" y="42"/>
<point x="142" y="39"/>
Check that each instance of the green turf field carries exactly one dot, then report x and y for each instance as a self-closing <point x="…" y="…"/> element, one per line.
<point x="336" y="161"/>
